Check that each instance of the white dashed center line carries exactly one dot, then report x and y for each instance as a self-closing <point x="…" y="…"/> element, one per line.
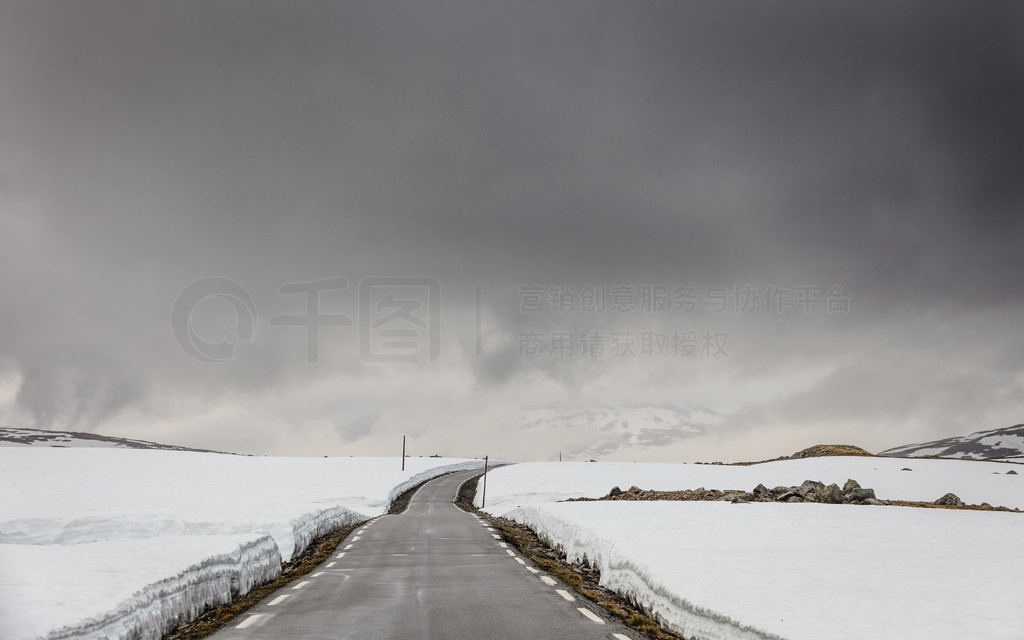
<point x="251" y="620"/>
<point x="590" y="614"/>
<point x="565" y="594"/>
<point x="277" y="600"/>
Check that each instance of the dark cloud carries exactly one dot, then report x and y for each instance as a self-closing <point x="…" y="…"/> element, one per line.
<point x="875" y="145"/>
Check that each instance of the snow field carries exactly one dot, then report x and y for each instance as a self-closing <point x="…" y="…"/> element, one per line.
<point x="720" y="571"/>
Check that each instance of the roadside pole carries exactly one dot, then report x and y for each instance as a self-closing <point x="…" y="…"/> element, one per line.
<point x="403" y="453"/>
<point x="483" y="494"/>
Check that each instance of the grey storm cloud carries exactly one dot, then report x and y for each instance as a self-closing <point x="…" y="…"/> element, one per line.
<point x="877" y="145"/>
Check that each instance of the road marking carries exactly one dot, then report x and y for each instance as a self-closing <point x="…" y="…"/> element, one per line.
<point x="496" y="536"/>
<point x="565" y="594"/>
<point x="355" y="539"/>
<point x="619" y="636"/>
<point x="531" y="569"/>
<point x="277" y="600"/>
<point x="251" y="620"/>
<point x="590" y="614"/>
<point x="318" y="574"/>
<point x="548" y="580"/>
<point x="301" y="584"/>
<point x="503" y="545"/>
<point x="521" y="561"/>
<point x="340" y="555"/>
<point x="330" y="564"/>
<point x="510" y="552"/>
<point x="348" y="547"/>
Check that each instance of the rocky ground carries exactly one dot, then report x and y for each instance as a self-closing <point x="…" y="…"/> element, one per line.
<point x="809" y="491"/>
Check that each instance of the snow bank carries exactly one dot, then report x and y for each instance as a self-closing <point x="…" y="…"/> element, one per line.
<point x="159" y="582"/>
<point x="720" y="571"/>
<point x="926" y="480"/>
<point x="114" y="543"/>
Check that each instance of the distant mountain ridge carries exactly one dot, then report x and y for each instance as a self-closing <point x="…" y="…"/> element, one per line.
<point x="1007" y="442"/>
<point x="604" y="429"/>
<point x="19" y="437"/>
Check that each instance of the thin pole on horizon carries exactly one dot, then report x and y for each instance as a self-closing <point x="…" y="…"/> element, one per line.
<point x="483" y="494"/>
<point x="403" y="453"/>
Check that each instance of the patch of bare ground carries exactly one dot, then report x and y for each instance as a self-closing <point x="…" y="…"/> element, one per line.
<point x="810" y="491"/>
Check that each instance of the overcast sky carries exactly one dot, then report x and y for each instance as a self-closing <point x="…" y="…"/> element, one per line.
<point x="858" y="166"/>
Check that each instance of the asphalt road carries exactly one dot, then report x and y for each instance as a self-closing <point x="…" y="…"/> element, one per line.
<point x="433" y="572"/>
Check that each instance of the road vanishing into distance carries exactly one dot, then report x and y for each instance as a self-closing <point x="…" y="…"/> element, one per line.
<point x="432" y="572"/>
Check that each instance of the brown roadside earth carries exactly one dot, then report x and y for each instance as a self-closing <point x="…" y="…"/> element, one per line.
<point x="316" y="553"/>
<point x="583" y="579"/>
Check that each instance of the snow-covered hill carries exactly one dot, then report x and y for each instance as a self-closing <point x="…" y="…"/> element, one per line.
<point x="598" y="430"/>
<point x="18" y="437"/>
<point x="994" y="444"/>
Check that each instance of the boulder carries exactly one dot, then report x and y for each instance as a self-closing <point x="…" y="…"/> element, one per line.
<point x="761" y="490"/>
<point x="809" y="488"/>
<point x="615" y="492"/>
<point x="950" y="499"/>
<point x="1011" y="472"/>
<point x="850" y="486"/>
<point x="832" y="494"/>
<point x="861" y="494"/>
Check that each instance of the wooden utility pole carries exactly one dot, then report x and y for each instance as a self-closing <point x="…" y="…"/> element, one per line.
<point x="403" y="453"/>
<point x="483" y="494"/>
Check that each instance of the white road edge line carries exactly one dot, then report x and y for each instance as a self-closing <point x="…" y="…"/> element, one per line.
<point x="590" y="614"/>
<point x="521" y="561"/>
<point x="503" y="545"/>
<point x="277" y="600"/>
<point x="619" y="636"/>
<point x="331" y="564"/>
<point x="496" y="536"/>
<point x="348" y="547"/>
<point x="565" y="594"/>
<point x="251" y="620"/>
<point x="301" y="584"/>
<point x="531" y="569"/>
<point x="548" y="580"/>
<point x="510" y="552"/>
<point x="318" y="574"/>
<point x="340" y="555"/>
